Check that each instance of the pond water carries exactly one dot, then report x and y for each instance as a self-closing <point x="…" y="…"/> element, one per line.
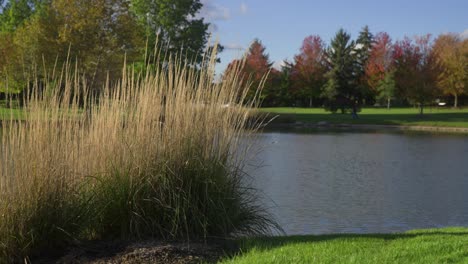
<point x="363" y="182"/>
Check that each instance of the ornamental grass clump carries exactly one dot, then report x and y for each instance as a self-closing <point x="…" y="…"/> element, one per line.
<point x="158" y="154"/>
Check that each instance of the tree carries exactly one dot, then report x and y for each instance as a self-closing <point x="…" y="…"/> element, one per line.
<point x="175" y="24"/>
<point x="256" y="69"/>
<point x="379" y="68"/>
<point x="13" y="15"/>
<point x="363" y="48"/>
<point x="341" y="88"/>
<point x="285" y="83"/>
<point x="454" y="65"/>
<point x="8" y="55"/>
<point x="386" y="88"/>
<point x="308" y="70"/>
<point x="416" y="70"/>
<point x="258" y="66"/>
<point x="97" y="34"/>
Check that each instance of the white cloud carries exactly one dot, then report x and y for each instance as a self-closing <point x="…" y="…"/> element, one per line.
<point x="233" y="46"/>
<point x="212" y="12"/>
<point x="278" y="64"/>
<point x="464" y="34"/>
<point x="243" y="8"/>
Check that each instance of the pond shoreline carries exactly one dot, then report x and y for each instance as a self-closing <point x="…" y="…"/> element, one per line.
<point x="325" y="125"/>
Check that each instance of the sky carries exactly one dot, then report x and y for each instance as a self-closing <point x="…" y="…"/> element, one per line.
<point x="282" y="25"/>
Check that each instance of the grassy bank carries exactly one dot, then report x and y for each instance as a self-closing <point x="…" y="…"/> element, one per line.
<point x="155" y="156"/>
<point x="444" y="117"/>
<point x="11" y="113"/>
<point x="447" y="245"/>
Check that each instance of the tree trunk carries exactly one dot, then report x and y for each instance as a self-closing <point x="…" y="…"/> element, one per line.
<point x="310" y="101"/>
<point x="455" y="103"/>
<point x="388" y="103"/>
<point x="421" y="108"/>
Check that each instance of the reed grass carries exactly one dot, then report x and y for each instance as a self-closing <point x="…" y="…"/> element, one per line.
<point x="154" y="155"/>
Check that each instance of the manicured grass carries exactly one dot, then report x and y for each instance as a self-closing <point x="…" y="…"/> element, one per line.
<point x="447" y="245"/>
<point x="397" y="116"/>
<point x="7" y="113"/>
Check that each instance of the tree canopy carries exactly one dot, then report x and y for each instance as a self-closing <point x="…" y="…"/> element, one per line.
<point x="97" y="34"/>
<point x="176" y="25"/>
<point x="416" y="70"/>
<point x="308" y="70"/>
<point x="341" y="89"/>
<point x="454" y="65"/>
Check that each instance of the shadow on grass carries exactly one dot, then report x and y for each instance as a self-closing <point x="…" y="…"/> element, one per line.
<point x="269" y="243"/>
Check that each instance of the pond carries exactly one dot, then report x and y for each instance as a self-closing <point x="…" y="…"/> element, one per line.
<point x="363" y="182"/>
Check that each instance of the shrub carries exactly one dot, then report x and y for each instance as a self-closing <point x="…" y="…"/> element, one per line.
<point x="154" y="155"/>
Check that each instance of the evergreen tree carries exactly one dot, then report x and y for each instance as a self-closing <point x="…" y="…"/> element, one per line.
<point x="342" y="89"/>
<point x="285" y="83"/>
<point x="363" y="46"/>
<point x="363" y="49"/>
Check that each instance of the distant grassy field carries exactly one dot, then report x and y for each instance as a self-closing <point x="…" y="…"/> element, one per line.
<point x="442" y="117"/>
<point x="397" y="116"/>
<point x="7" y="113"/>
<point x="447" y="245"/>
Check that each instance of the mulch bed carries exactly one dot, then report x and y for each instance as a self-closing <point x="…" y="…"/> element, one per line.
<point x="147" y="252"/>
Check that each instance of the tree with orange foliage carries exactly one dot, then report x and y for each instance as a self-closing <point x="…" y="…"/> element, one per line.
<point x="454" y="65"/>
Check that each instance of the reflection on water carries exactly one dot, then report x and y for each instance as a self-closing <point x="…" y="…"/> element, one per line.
<point x="363" y="182"/>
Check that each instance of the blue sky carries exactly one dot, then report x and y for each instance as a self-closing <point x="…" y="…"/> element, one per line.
<point x="282" y="25"/>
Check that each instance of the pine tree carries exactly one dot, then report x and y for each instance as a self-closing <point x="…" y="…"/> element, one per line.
<point x="363" y="49"/>
<point x="364" y="45"/>
<point x="342" y="90"/>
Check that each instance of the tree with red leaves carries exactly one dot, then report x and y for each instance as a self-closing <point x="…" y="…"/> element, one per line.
<point x="416" y="70"/>
<point x="309" y="68"/>
<point x="379" y="68"/>
<point x="257" y="69"/>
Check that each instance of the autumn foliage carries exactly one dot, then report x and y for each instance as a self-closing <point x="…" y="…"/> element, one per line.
<point x="256" y="69"/>
<point x="309" y="68"/>
<point x="369" y="70"/>
<point x="380" y="60"/>
<point x="451" y="53"/>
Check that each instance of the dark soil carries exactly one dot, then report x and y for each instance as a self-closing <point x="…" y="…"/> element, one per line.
<point x="146" y="252"/>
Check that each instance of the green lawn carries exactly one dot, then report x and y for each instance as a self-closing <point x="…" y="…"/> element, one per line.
<point x="7" y="113"/>
<point x="447" y="245"/>
<point x="397" y="116"/>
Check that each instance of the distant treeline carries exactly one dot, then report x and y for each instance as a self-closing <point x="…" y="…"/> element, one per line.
<point x="38" y="37"/>
<point x="371" y="70"/>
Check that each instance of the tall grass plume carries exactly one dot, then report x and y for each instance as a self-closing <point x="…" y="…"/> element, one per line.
<point x="155" y="154"/>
